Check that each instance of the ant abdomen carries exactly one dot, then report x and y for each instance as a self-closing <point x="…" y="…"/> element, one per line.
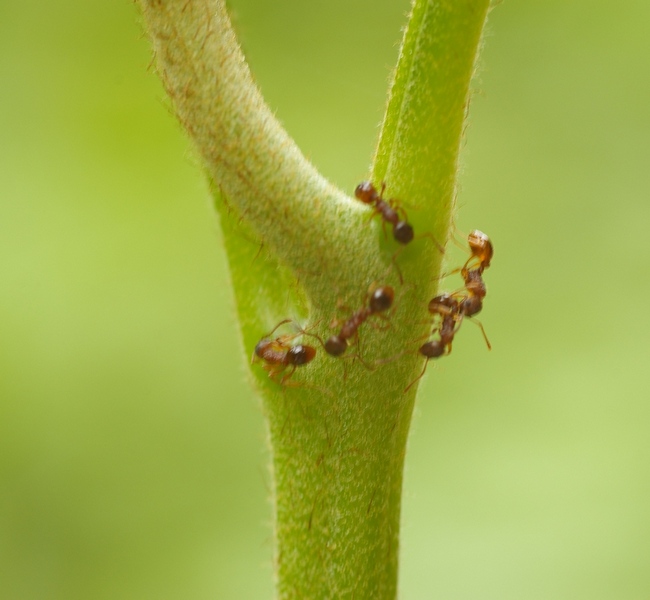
<point x="403" y="232"/>
<point x="382" y="299"/>
<point x="300" y="355"/>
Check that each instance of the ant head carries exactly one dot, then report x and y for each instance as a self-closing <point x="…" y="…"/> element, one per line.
<point x="301" y="355"/>
<point x="382" y="299"/>
<point x="261" y="347"/>
<point x="403" y="232"/>
<point x="366" y="192"/>
<point x="481" y="246"/>
<point x="335" y="345"/>
<point x="432" y="349"/>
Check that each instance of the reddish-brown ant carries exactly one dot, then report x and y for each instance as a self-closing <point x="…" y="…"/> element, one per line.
<point x="475" y="290"/>
<point x="449" y="309"/>
<point x="278" y="355"/>
<point x="471" y="297"/>
<point x="388" y="209"/>
<point x="381" y="299"/>
<point x="453" y="308"/>
<point x="391" y="212"/>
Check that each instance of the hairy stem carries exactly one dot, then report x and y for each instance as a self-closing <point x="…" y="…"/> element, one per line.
<point x="299" y="248"/>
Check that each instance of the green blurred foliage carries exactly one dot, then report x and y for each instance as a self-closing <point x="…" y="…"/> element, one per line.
<point x="132" y="449"/>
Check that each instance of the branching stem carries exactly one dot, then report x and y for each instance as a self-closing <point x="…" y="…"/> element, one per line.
<point x="299" y="248"/>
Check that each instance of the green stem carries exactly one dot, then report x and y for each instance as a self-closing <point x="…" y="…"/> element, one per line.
<point x="300" y="248"/>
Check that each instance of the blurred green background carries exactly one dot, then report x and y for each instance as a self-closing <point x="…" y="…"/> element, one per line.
<point x="132" y="455"/>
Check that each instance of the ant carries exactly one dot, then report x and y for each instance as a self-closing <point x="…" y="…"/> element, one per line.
<point x="453" y="308"/>
<point x="380" y="301"/>
<point x="449" y="309"/>
<point x="475" y="290"/>
<point x="472" y="295"/>
<point x="389" y="210"/>
<point x="278" y="355"/>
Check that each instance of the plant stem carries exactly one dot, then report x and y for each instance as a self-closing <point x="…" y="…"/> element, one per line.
<point x="337" y="430"/>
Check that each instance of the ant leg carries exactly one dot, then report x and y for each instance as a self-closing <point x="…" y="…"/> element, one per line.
<point x="285" y="379"/>
<point x="361" y="360"/>
<point x="396" y="254"/>
<point x="390" y="359"/>
<point x="286" y="382"/>
<point x="383" y="226"/>
<point x="452" y="272"/>
<point x="463" y="235"/>
<point x="357" y="354"/>
<point x="270" y="333"/>
<point x="274" y="371"/>
<point x="477" y="322"/>
<point x="393" y="260"/>
<point x="468" y="263"/>
<point x="287" y="338"/>
<point x="314" y="335"/>
<point x="312" y="326"/>
<point x="376" y="326"/>
<point x="287" y="421"/>
<point x="303" y="331"/>
<point x="410" y="385"/>
<point x="455" y="240"/>
<point x="397" y="206"/>
<point x="257" y="254"/>
<point x="345" y="368"/>
<point x="440" y="247"/>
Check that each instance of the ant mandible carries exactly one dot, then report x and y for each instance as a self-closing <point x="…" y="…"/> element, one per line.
<point x="389" y="210"/>
<point x="278" y="355"/>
